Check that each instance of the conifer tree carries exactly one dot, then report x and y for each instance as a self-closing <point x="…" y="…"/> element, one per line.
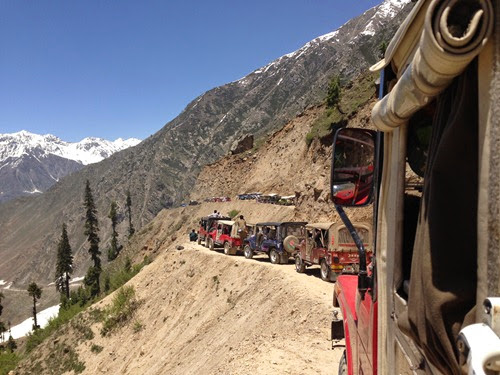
<point x="2" y="325"/>
<point x="1" y="298"/>
<point x="114" y="249"/>
<point x="35" y="292"/>
<point x="64" y="266"/>
<point x="131" y="229"/>
<point x="333" y="93"/>
<point x="3" y="329"/>
<point x="91" y="228"/>
<point x="11" y="344"/>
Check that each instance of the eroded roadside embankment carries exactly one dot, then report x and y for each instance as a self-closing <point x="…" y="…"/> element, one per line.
<point x="204" y="312"/>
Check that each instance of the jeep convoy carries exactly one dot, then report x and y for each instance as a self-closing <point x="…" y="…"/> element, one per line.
<point x="328" y="245"/>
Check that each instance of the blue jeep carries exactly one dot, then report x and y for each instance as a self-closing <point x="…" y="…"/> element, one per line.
<point x="268" y="238"/>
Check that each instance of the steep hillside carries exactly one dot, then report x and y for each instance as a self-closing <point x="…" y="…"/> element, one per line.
<point x="164" y="167"/>
<point x="203" y="312"/>
<point x="287" y="164"/>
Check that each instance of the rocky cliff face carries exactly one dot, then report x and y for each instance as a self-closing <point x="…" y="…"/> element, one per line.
<point x="162" y="170"/>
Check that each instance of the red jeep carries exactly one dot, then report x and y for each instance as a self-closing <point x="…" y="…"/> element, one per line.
<point x="331" y="246"/>
<point x="224" y="235"/>
<point x="208" y="224"/>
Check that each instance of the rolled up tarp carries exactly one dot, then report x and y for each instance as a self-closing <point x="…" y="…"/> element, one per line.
<point x="454" y="33"/>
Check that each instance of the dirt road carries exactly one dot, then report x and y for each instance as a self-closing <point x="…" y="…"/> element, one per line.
<point x="203" y="312"/>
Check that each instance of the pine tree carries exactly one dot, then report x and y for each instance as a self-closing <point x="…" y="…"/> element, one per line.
<point x="2" y="325"/>
<point x="64" y="266"/>
<point x="35" y="292"/>
<point x="91" y="229"/>
<point x="11" y="344"/>
<point x="3" y="329"/>
<point x="333" y="93"/>
<point x="131" y="229"/>
<point x="114" y="250"/>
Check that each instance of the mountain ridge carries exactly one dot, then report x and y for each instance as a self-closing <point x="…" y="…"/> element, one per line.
<point x="31" y="163"/>
<point x="161" y="171"/>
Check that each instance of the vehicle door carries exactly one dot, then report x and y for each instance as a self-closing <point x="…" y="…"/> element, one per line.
<point x="309" y="244"/>
<point x="269" y="239"/>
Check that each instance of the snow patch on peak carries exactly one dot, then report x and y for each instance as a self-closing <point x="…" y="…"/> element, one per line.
<point x="88" y="150"/>
<point x="387" y="10"/>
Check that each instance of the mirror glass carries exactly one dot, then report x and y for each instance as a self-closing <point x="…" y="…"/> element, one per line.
<point x="353" y="167"/>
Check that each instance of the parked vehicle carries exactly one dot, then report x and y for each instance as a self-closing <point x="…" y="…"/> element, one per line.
<point x="287" y="200"/>
<point x="268" y="198"/>
<point x="208" y="224"/>
<point x="225" y="236"/>
<point x="331" y="246"/>
<point x="429" y="302"/>
<point x="269" y="238"/>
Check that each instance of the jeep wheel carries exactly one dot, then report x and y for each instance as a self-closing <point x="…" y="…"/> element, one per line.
<point x="300" y="267"/>
<point x="227" y="248"/>
<point x="248" y="252"/>
<point x="325" y="271"/>
<point x="210" y="244"/>
<point x="343" y="364"/>
<point x="274" y="257"/>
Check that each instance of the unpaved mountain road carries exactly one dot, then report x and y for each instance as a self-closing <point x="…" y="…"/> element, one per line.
<point x="203" y="312"/>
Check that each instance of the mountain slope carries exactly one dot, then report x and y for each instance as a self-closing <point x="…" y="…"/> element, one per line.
<point x="31" y="163"/>
<point x="164" y="167"/>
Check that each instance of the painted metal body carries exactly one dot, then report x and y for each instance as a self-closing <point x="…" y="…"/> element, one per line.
<point x="268" y="236"/>
<point x="332" y="243"/>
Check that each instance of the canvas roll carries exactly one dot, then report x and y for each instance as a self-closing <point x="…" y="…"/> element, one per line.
<point x="454" y="33"/>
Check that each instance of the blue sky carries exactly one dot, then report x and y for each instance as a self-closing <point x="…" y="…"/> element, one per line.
<point x="125" y="68"/>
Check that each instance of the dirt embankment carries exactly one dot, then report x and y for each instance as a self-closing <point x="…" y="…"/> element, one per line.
<point x="284" y="165"/>
<point x="203" y="312"/>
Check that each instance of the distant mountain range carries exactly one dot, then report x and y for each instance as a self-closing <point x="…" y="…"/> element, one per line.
<point x="32" y="163"/>
<point x="162" y="170"/>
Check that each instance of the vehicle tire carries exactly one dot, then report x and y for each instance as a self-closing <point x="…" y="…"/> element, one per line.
<point x="210" y="244"/>
<point x="325" y="271"/>
<point x="300" y="267"/>
<point x="248" y="252"/>
<point x="227" y="248"/>
<point x="274" y="257"/>
<point x="343" y="364"/>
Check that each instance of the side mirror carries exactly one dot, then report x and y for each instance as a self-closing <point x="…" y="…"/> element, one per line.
<point x="353" y="167"/>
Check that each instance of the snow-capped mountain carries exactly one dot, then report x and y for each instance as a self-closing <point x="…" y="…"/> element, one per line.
<point x="31" y="163"/>
<point x="163" y="169"/>
<point x="87" y="151"/>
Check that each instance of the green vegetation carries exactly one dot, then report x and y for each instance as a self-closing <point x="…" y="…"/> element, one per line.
<point x="8" y="362"/>
<point x="64" y="266"/>
<point x="114" y="248"/>
<point x="333" y="92"/>
<point x="91" y="228"/>
<point x="120" y="311"/>
<point x="232" y="214"/>
<point x="351" y="98"/>
<point x="63" y="359"/>
<point x="138" y="326"/>
<point x="96" y="348"/>
<point x="35" y="292"/>
<point x="119" y="277"/>
<point x="131" y="229"/>
<point x="65" y="315"/>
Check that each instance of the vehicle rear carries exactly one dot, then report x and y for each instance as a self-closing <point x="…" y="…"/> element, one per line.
<point x="343" y="252"/>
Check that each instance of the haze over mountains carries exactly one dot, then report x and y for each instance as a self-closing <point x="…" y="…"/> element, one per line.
<point x="161" y="170"/>
<point x="31" y="163"/>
